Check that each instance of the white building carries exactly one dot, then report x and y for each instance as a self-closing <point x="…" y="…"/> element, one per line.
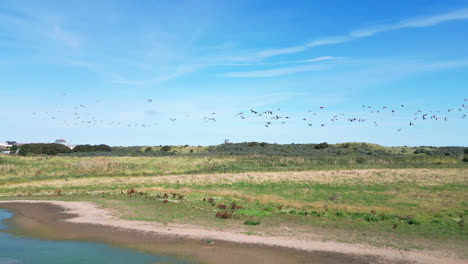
<point x="64" y="142"/>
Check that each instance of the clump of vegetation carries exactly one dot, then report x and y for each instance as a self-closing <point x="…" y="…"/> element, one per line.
<point x="235" y="206"/>
<point x="322" y="145"/>
<point x="211" y="200"/>
<point x="251" y="222"/>
<point x="47" y="149"/>
<point x="92" y="148"/>
<point x="413" y="222"/>
<point x="465" y="159"/>
<point x="334" y="197"/>
<point x="166" y="148"/>
<point x="13" y="149"/>
<point x="224" y="214"/>
<point x="360" y="160"/>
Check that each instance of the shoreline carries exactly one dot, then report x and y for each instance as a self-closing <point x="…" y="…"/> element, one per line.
<point x="89" y="216"/>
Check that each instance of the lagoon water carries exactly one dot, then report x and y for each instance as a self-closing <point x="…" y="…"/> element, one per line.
<point x="15" y="249"/>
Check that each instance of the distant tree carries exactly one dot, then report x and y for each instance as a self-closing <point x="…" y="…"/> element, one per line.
<point x="420" y="151"/>
<point x="48" y="149"/>
<point x="465" y="151"/>
<point x="148" y="149"/>
<point x="13" y="149"/>
<point x="102" y="147"/>
<point x="166" y="148"/>
<point x="24" y="150"/>
<point x="83" y="148"/>
<point x="92" y="148"/>
<point x="253" y="144"/>
<point x="322" y="145"/>
<point x="465" y="159"/>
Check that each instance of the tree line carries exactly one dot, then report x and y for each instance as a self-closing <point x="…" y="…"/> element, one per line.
<point x="54" y="149"/>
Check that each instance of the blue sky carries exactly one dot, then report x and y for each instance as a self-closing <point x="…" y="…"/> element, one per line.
<point x="193" y="58"/>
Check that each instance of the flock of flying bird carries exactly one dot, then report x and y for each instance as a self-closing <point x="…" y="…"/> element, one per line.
<point x="367" y="114"/>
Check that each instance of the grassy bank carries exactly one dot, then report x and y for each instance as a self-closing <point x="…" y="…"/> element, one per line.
<point x="24" y="169"/>
<point x="415" y="202"/>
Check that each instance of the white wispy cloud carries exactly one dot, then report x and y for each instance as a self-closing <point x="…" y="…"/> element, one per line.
<point x="40" y="28"/>
<point x="178" y="71"/>
<point x="280" y="71"/>
<point x="275" y="52"/>
<point x="412" y="23"/>
<point x="418" y="22"/>
<point x="328" y="41"/>
<point x="68" y="38"/>
<point x="318" y="59"/>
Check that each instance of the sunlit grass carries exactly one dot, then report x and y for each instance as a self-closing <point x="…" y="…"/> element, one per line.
<point x="339" y="198"/>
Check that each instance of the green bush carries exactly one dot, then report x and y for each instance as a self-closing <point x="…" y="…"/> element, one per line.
<point x="166" y="148"/>
<point x="465" y="151"/>
<point x="92" y="148"/>
<point x="83" y="148"/>
<point x="48" y="149"/>
<point x="414" y="222"/>
<point x="251" y="222"/>
<point x="465" y="159"/>
<point x="371" y="218"/>
<point x="361" y="160"/>
<point x="102" y="147"/>
<point x="148" y="149"/>
<point x="13" y="149"/>
<point x="322" y="145"/>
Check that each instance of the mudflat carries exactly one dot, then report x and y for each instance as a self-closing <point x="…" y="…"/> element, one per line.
<point x="85" y="221"/>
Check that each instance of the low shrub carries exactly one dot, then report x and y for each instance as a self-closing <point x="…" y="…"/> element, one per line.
<point x="251" y="222"/>
<point x="92" y="148"/>
<point x="47" y="149"/>
<point x="361" y="160"/>
<point x="322" y="145"/>
<point x="166" y="148"/>
<point x="224" y="214"/>
<point x="414" y="222"/>
<point x="339" y="213"/>
<point x="371" y="218"/>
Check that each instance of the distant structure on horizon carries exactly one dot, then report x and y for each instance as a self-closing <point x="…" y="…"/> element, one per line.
<point x="227" y="141"/>
<point x="5" y="147"/>
<point x="63" y="142"/>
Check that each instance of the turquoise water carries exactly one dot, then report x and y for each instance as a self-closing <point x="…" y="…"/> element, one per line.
<point x="15" y="249"/>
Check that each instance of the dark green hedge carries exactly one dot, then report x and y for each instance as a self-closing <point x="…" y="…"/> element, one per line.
<point x="48" y="149"/>
<point x="92" y="148"/>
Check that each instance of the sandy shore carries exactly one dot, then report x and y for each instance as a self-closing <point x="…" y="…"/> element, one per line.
<point x="91" y="215"/>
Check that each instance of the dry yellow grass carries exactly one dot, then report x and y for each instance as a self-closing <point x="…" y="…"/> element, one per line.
<point x="427" y="177"/>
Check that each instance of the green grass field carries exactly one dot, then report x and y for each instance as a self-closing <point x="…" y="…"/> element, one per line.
<point x="412" y="202"/>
